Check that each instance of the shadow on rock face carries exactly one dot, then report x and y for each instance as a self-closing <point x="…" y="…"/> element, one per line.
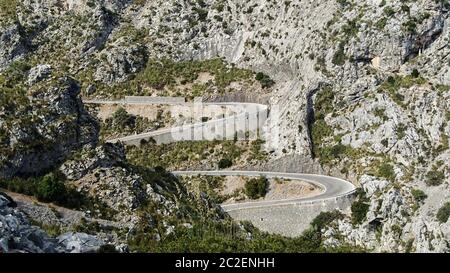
<point x="7" y="201"/>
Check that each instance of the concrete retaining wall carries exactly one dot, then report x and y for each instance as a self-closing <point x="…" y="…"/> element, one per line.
<point x="290" y="164"/>
<point x="290" y="220"/>
<point x="148" y="99"/>
<point x="239" y="97"/>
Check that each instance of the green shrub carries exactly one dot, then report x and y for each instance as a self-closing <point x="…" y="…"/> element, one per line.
<point x="381" y="23"/>
<point x="418" y="195"/>
<point x="443" y="213"/>
<point x="225" y="163"/>
<point x="256" y="187"/>
<point x="202" y="14"/>
<point x="410" y="26"/>
<point x="339" y="56"/>
<point x="216" y="237"/>
<point x="351" y="28"/>
<point x="386" y="170"/>
<point x="401" y="131"/>
<point x="257" y="153"/>
<point x="381" y="113"/>
<point x="166" y="73"/>
<point x="185" y="153"/>
<point x="394" y="83"/>
<point x="359" y="211"/>
<point x="8" y="10"/>
<point x="397" y="230"/>
<point x="51" y="188"/>
<point x="53" y="230"/>
<point x="409" y="246"/>
<point x="343" y="2"/>
<point x="107" y="249"/>
<point x="323" y="105"/>
<point x="264" y="80"/>
<point x="17" y="72"/>
<point x="18" y="185"/>
<point x="325" y="218"/>
<point x="445" y="4"/>
<point x="122" y="119"/>
<point x="320" y="131"/>
<point x="389" y="11"/>
<point x="434" y="177"/>
<point x="405" y="8"/>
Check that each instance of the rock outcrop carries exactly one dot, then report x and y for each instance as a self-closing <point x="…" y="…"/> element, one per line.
<point x="13" y="44"/>
<point x="122" y="60"/>
<point x="131" y="191"/>
<point x="42" y="130"/>
<point x="18" y="235"/>
<point x="362" y="88"/>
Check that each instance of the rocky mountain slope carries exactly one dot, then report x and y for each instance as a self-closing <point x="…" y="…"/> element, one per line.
<point x="361" y="87"/>
<point x="17" y="235"/>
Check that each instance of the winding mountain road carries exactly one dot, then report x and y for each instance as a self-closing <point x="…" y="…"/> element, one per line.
<point x="250" y="118"/>
<point x="332" y="187"/>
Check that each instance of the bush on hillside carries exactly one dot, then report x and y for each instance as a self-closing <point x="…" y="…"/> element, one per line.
<point x="225" y="163"/>
<point x="443" y="213"/>
<point x="256" y="187"/>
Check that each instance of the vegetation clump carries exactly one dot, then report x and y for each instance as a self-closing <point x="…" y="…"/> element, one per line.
<point x="52" y="187"/>
<point x="325" y="218"/>
<point x="418" y="195"/>
<point x="264" y="80"/>
<point x="443" y="213"/>
<point x="434" y="177"/>
<point x="256" y="187"/>
<point x="164" y="75"/>
<point x="321" y="132"/>
<point x="360" y="208"/>
<point x="339" y="56"/>
<point x="386" y="170"/>
<point x="123" y="123"/>
<point x="393" y="84"/>
<point x="320" y="129"/>
<point x="229" y="237"/>
<point x="182" y="154"/>
<point x="8" y="10"/>
<point x="225" y="163"/>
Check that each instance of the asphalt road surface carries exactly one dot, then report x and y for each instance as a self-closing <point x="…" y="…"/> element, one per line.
<point x="332" y="187"/>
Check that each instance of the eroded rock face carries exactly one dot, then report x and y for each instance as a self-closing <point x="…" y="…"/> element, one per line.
<point x="18" y="235"/>
<point x="330" y="44"/>
<point x="39" y="73"/>
<point x="300" y="55"/>
<point x="104" y="156"/>
<point x="48" y="128"/>
<point x="372" y="185"/>
<point x="122" y="60"/>
<point x="104" y="173"/>
<point x="391" y="224"/>
<point x="78" y="242"/>
<point x="352" y="47"/>
<point x="13" y="44"/>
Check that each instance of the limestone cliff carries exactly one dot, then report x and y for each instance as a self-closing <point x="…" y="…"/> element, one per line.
<point x="361" y="87"/>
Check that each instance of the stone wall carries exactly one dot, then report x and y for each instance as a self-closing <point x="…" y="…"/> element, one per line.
<point x="290" y="219"/>
<point x="148" y="99"/>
